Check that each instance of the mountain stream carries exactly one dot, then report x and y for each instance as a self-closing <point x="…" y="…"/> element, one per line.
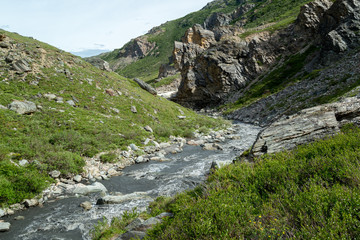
<point x="64" y="219"/>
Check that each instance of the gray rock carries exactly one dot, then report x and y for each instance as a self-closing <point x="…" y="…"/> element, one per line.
<point x="112" y="172"/>
<point x="31" y="202"/>
<point x="3" y="107"/>
<point x="21" y="66"/>
<point x="134" y="224"/>
<point x="23" y="162"/>
<point x="19" y="218"/>
<point x="86" y="205"/>
<point x="55" y="174"/>
<point x="164" y="215"/>
<point x="145" y="86"/>
<point x="132" y="235"/>
<point x="59" y="100"/>
<point x="50" y="96"/>
<point x="77" y="178"/>
<point x="148" y="224"/>
<point x="141" y="159"/>
<point x="111" y="199"/>
<point x="133" y="109"/>
<point x="148" y="128"/>
<point x="86" y="189"/>
<point x="4" y="226"/>
<point x="134" y="147"/>
<point x="71" y="103"/>
<point x="181" y="117"/>
<point x="2" y="213"/>
<point x="307" y="125"/>
<point x="211" y="146"/>
<point x="22" y="107"/>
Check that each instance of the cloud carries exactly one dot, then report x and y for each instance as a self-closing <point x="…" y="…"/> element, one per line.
<point x="5" y="26"/>
<point x="99" y="45"/>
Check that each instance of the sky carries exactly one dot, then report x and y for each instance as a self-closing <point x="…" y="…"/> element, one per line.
<point x="88" y="25"/>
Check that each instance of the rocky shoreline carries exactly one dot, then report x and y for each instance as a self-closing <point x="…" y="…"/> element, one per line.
<point x="95" y="170"/>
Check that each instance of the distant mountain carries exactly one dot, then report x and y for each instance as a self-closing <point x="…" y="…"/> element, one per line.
<point x="89" y="52"/>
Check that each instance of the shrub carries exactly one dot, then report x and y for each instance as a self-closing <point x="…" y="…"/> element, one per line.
<point x="65" y="162"/>
<point x="108" y="158"/>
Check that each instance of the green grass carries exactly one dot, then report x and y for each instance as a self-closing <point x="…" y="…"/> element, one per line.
<point x="59" y="136"/>
<point x="311" y="192"/>
<point x="106" y="230"/>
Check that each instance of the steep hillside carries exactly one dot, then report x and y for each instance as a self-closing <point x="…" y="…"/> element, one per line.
<point x="280" y="68"/>
<point x="56" y="109"/>
<point x="143" y="56"/>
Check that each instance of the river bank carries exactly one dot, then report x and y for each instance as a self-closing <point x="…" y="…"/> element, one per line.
<point x="203" y="146"/>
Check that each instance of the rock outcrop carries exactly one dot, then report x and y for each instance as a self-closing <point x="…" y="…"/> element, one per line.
<point x="99" y="63"/>
<point x="225" y="70"/>
<point x="307" y="125"/>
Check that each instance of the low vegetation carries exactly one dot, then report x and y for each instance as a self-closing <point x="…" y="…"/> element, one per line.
<point x="59" y="135"/>
<point x="311" y="192"/>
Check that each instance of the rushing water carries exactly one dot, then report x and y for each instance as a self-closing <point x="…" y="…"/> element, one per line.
<point x="64" y="219"/>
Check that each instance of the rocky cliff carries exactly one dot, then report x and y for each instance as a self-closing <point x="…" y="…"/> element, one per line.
<point x="304" y="63"/>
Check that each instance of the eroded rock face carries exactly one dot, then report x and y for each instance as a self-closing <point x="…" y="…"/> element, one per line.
<point x="99" y="63"/>
<point x="307" y="125"/>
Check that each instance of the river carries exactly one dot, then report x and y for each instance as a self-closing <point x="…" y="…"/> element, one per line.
<point x="65" y="219"/>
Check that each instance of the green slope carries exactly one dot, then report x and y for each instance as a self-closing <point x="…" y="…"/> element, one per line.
<point x="59" y="135"/>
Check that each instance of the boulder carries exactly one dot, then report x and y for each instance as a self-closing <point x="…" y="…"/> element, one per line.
<point x="306" y="126"/>
<point x="111" y="199"/>
<point x="133" y="109"/>
<point x="31" y="202"/>
<point x="2" y="213"/>
<point x="132" y="235"/>
<point x="50" y="96"/>
<point x="71" y="103"/>
<point x="22" y="107"/>
<point x="148" y="129"/>
<point x="86" y="205"/>
<point x="86" y="189"/>
<point x="77" y="178"/>
<point x="110" y="92"/>
<point x="23" y="162"/>
<point x="4" y="226"/>
<point x="55" y="174"/>
<point x="145" y="86"/>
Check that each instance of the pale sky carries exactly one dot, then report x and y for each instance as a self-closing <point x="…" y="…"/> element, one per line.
<point x="77" y="25"/>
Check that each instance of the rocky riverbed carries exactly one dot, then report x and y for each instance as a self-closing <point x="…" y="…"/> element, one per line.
<point x="162" y="169"/>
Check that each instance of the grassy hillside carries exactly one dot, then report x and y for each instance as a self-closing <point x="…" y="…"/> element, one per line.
<point x="311" y="192"/>
<point x="58" y="135"/>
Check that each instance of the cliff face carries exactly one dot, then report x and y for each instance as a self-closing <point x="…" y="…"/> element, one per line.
<point x="325" y="36"/>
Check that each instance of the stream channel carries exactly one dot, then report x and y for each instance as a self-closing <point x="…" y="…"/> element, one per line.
<point x="65" y="219"/>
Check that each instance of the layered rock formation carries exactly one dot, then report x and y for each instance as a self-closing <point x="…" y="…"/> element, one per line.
<point x="224" y="70"/>
<point x="307" y="125"/>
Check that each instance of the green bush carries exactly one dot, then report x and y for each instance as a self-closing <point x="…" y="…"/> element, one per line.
<point x="18" y="183"/>
<point x="65" y="162"/>
<point x="312" y="192"/>
<point x="108" y="158"/>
